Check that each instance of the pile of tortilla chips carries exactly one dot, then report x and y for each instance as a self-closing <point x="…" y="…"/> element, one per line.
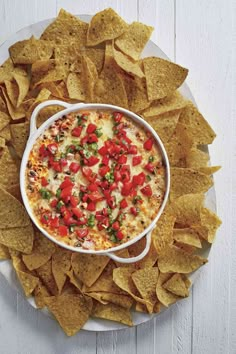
<point x="100" y="62"/>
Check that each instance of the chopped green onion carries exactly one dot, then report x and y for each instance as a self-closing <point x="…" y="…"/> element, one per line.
<point x="59" y="205"/>
<point x="91" y="220"/>
<point x="148" y="178"/>
<point x="151" y="158"/>
<point x="45" y="193"/>
<point x="98" y="132"/>
<point x="58" y="193"/>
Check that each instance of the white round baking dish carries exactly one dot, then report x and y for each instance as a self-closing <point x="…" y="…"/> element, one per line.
<point x="35" y="133"/>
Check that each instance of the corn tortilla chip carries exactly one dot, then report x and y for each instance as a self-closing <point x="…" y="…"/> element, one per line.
<point x="9" y="176"/>
<point x="198" y="128"/>
<point x="12" y="91"/>
<point x="88" y="267"/>
<point x="188" y="237"/>
<point x="123" y="254"/>
<point x="44" y="272"/>
<point x="61" y="263"/>
<point x="113" y="312"/>
<point x="5" y="133"/>
<point x="40" y="293"/>
<point x="18" y="238"/>
<point x="105" y="25"/>
<point x="132" y="68"/>
<point x="136" y="90"/>
<point x="187" y="248"/>
<point x="15" y="113"/>
<point x="4" y="253"/>
<point x="42" y="251"/>
<point x="76" y="86"/>
<point x="23" y="83"/>
<point x="145" y="281"/>
<point x="4" y="120"/>
<point x="149" y="260"/>
<point x="117" y="299"/>
<point x="66" y="28"/>
<point x="173" y="259"/>
<point x="71" y="311"/>
<point x="209" y="170"/>
<point x="196" y="158"/>
<point x="28" y="282"/>
<point x="162" y="234"/>
<point x="187" y="180"/>
<point x="209" y="224"/>
<point x="134" y="39"/>
<point x="163" y="77"/>
<point x="19" y="133"/>
<point x="74" y="280"/>
<point x="176" y="285"/>
<point x="2" y="142"/>
<point x="165" y="297"/>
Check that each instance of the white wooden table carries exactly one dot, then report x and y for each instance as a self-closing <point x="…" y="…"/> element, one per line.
<point x="200" y="35"/>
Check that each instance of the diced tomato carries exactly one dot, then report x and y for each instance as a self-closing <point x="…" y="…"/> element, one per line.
<point x="148" y="144"/>
<point x="95" y="196"/>
<point x="66" y="192"/>
<point x="105" y="160"/>
<point x="117" y="176"/>
<point x="113" y="186"/>
<point x="66" y="183"/>
<point x="91" y="128"/>
<point x="102" y="151"/>
<point x="123" y="204"/>
<point x="147" y="190"/>
<point x="85" y="197"/>
<point x="92" y="138"/>
<point x="43" y="152"/>
<point x="74" y="167"/>
<point x="63" y="162"/>
<point x="105" y="211"/>
<point x="138" y="180"/>
<point x="84" y="140"/>
<point x="52" y="148"/>
<point x="99" y="216"/>
<point x="133" y="150"/>
<point x="63" y="230"/>
<point x="93" y="187"/>
<point x="100" y="226"/>
<point x="45" y="218"/>
<point x="91" y="206"/>
<point x="122" y="159"/>
<point x="128" y="141"/>
<point x="66" y="213"/>
<point x="125" y="175"/>
<point x="89" y="174"/>
<point x="77" y="212"/>
<point x="77" y="131"/>
<point x="54" y="222"/>
<point x="82" y="221"/>
<point x="134" y="211"/>
<point x="103" y="224"/>
<point x="69" y="221"/>
<point x="126" y="189"/>
<point x="44" y="182"/>
<point x="111" y="202"/>
<point x="81" y="233"/>
<point x="74" y="201"/>
<point x="92" y="160"/>
<point x="136" y="160"/>
<point x="149" y="167"/>
<point x="116" y="225"/>
<point x="103" y="170"/>
<point x="120" y="235"/>
<point x="53" y="203"/>
<point x="56" y="166"/>
<point x="117" y="116"/>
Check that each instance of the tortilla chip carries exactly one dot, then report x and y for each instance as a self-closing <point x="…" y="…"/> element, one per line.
<point x="122" y="278"/>
<point x="117" y="299"/>
<point x="109" y="88"/>
<point x="66" y="28"/>
<point x="9" y="176"/>
<point x="30" y="50"/>
<point x="76" y="86"/>
<point x="44" y="272"/>
<point x="61" y="263"/>
<point x="28" y="282"/>
<point x="14" y="190"/>
<point x="136" y="90"/>
<point x="74" y="280"/>
<point x="4" y="120"/>
<point x="42" y="251"/>
<point x="196" y="158"/>
<point x="105" y="25"/>
<point x="90" y="77"/>
<point x="187" y="209"/>
<point x="164" y="124"/>
<point x="165" y="297"/>
<point x="209" y="225"/>
<point x="188" y="237"/>
<point x="12" y="212"/>
<point x="149" y="260"/>
<point x="170" y="103"/>
<point x="132" y="68"/>
<point x="18" y="238"/>
<point x="173" y="259"/>
<point x="4" y="253"/>
<point x="179" y="145"/>
<point x="163" y="77"/>
<point x="19" y="133"/>
<point x="23" y="83"/>
<point x="105" y="282"/>
<point x="48" y="71"/>
<point x="15" y="113"/>
<point x="209" y="170"/>
<point x="176" y="285"/>
<point x="113" y="312"/>
<point x="145" y="281"/>
<point x="96" y="55"/>
<point x="5" y="133"/>
<point x="162" y="234"/>
<point x="40" y="293"/>
<point x="88" y="267"/>
<point x="71" y="311"/>
<point x="134" y="39"/>
<point x="47" y="113"/>
<point x="12" y="91"/>
<point x="123" y="254"/>
<point x="5" y="75"/>
<point x="187" y="180"/>
<point x="187" y="248"/>
<point x="198" y="128"/>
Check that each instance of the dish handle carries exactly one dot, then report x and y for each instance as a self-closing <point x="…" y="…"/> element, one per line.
<point x="33" y="126"/>
<point x="133" y="259"/>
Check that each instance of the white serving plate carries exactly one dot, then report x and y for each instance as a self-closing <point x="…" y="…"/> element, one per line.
<point x="6" y="268"/>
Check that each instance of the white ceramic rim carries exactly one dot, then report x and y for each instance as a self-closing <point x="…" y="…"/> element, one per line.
<point x="89" y="106"/>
